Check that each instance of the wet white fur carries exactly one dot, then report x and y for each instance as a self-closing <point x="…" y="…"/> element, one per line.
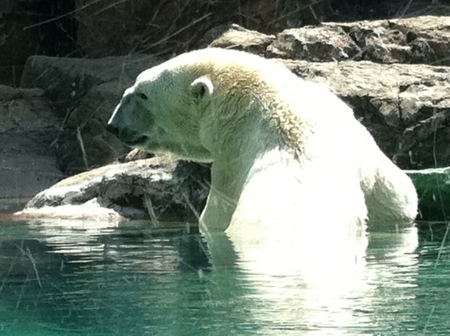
<point x="262" y="192"/>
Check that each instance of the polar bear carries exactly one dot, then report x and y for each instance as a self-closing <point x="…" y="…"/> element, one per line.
<point x="287" y="155"/>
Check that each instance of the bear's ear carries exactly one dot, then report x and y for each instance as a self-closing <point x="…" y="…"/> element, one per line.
<point x="202" y="87"/>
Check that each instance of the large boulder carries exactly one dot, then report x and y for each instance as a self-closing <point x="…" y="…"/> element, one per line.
<point x="67" y="80"/>
<point x="233" y="36"/>
<point x="415" y="40"/>
<point x="405" y="107"/>
<point x="85" y="93"/>
<point x="28" y="130"/>
<point x="163" y="190"/>
<point x="159" y="189"/>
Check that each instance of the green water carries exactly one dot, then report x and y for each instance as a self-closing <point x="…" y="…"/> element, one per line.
<point x="86" y="278"/>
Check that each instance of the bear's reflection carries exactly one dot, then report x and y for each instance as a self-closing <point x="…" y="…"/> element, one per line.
<point x="322" y="281"/>
<point x="123" y="280"/>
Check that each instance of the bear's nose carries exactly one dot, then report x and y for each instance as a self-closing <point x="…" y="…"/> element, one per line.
<point x="128" y="136"/>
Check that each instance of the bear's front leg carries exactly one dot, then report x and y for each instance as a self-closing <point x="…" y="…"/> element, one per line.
<point x="218" y="211"/>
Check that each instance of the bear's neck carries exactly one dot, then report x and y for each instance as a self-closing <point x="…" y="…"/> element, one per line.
<point x="236" y="145"/>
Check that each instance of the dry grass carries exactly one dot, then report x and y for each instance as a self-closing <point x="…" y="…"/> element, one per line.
<point x="172" y="27"/>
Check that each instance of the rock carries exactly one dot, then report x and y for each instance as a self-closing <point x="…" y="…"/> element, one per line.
<point x="91" y="210"/>
<point x="85" y="92"/>
<point x="433" y="188"/>
<point x="67" y="80"/>
<point x="398" y="107"/>
<point x="314" y="44"/>
<point x="163" y="190"/>
<point x="85" y="143"/>
<point x="404" y="108"/>
<point x="159" y="189"/>
<point x="415" y="40"/>
<point x="233" y="36"/>
<point x="28" y="130"/>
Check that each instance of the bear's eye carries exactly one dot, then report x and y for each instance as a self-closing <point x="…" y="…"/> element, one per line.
<point x="142" y="95"/>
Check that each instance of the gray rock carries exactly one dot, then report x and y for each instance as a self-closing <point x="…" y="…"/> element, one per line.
<point x="85" y="144"/>
<point x="405" y="107"/>
<point x="314" y="44"/>
<point x="85" y="92"/>
<point x="159" y="189"/>
<point x="28" y="130"/>
<point x="234" y="36"/>
<point x="66" y="80"/>
<point x="415" y="40"/>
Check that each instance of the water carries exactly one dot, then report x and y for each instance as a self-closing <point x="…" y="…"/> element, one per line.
<point x="82" y="278"/>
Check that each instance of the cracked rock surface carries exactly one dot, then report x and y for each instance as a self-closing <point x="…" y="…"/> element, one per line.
<point x="395" y="74"/>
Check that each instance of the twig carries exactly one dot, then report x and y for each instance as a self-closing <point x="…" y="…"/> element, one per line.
<point x="151" y="212"/>
<point x="61" y="16"/>
<point x="33" y="263"/>
<point x="403" y="12"/>
<point x="179" y="31"/>
<point x="83" y="150"/>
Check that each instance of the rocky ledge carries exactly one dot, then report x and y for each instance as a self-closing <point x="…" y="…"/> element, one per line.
<point x="393" y="73"/>
<point x="159" y="189"/>
<point x="163" y="190"/>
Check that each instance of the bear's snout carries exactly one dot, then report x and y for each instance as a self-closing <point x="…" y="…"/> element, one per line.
<point x="127" y="136"/>
<point x="117" y="126"/>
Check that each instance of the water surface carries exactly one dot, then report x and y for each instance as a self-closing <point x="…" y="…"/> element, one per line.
<point x="89" y="278"/>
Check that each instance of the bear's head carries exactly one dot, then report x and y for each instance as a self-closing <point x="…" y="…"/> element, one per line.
<point x="161" y="111"/>
<point x="201" y="104"/>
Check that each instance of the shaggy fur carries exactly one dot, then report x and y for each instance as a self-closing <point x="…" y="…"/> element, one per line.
<point x="287" y="154"/>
